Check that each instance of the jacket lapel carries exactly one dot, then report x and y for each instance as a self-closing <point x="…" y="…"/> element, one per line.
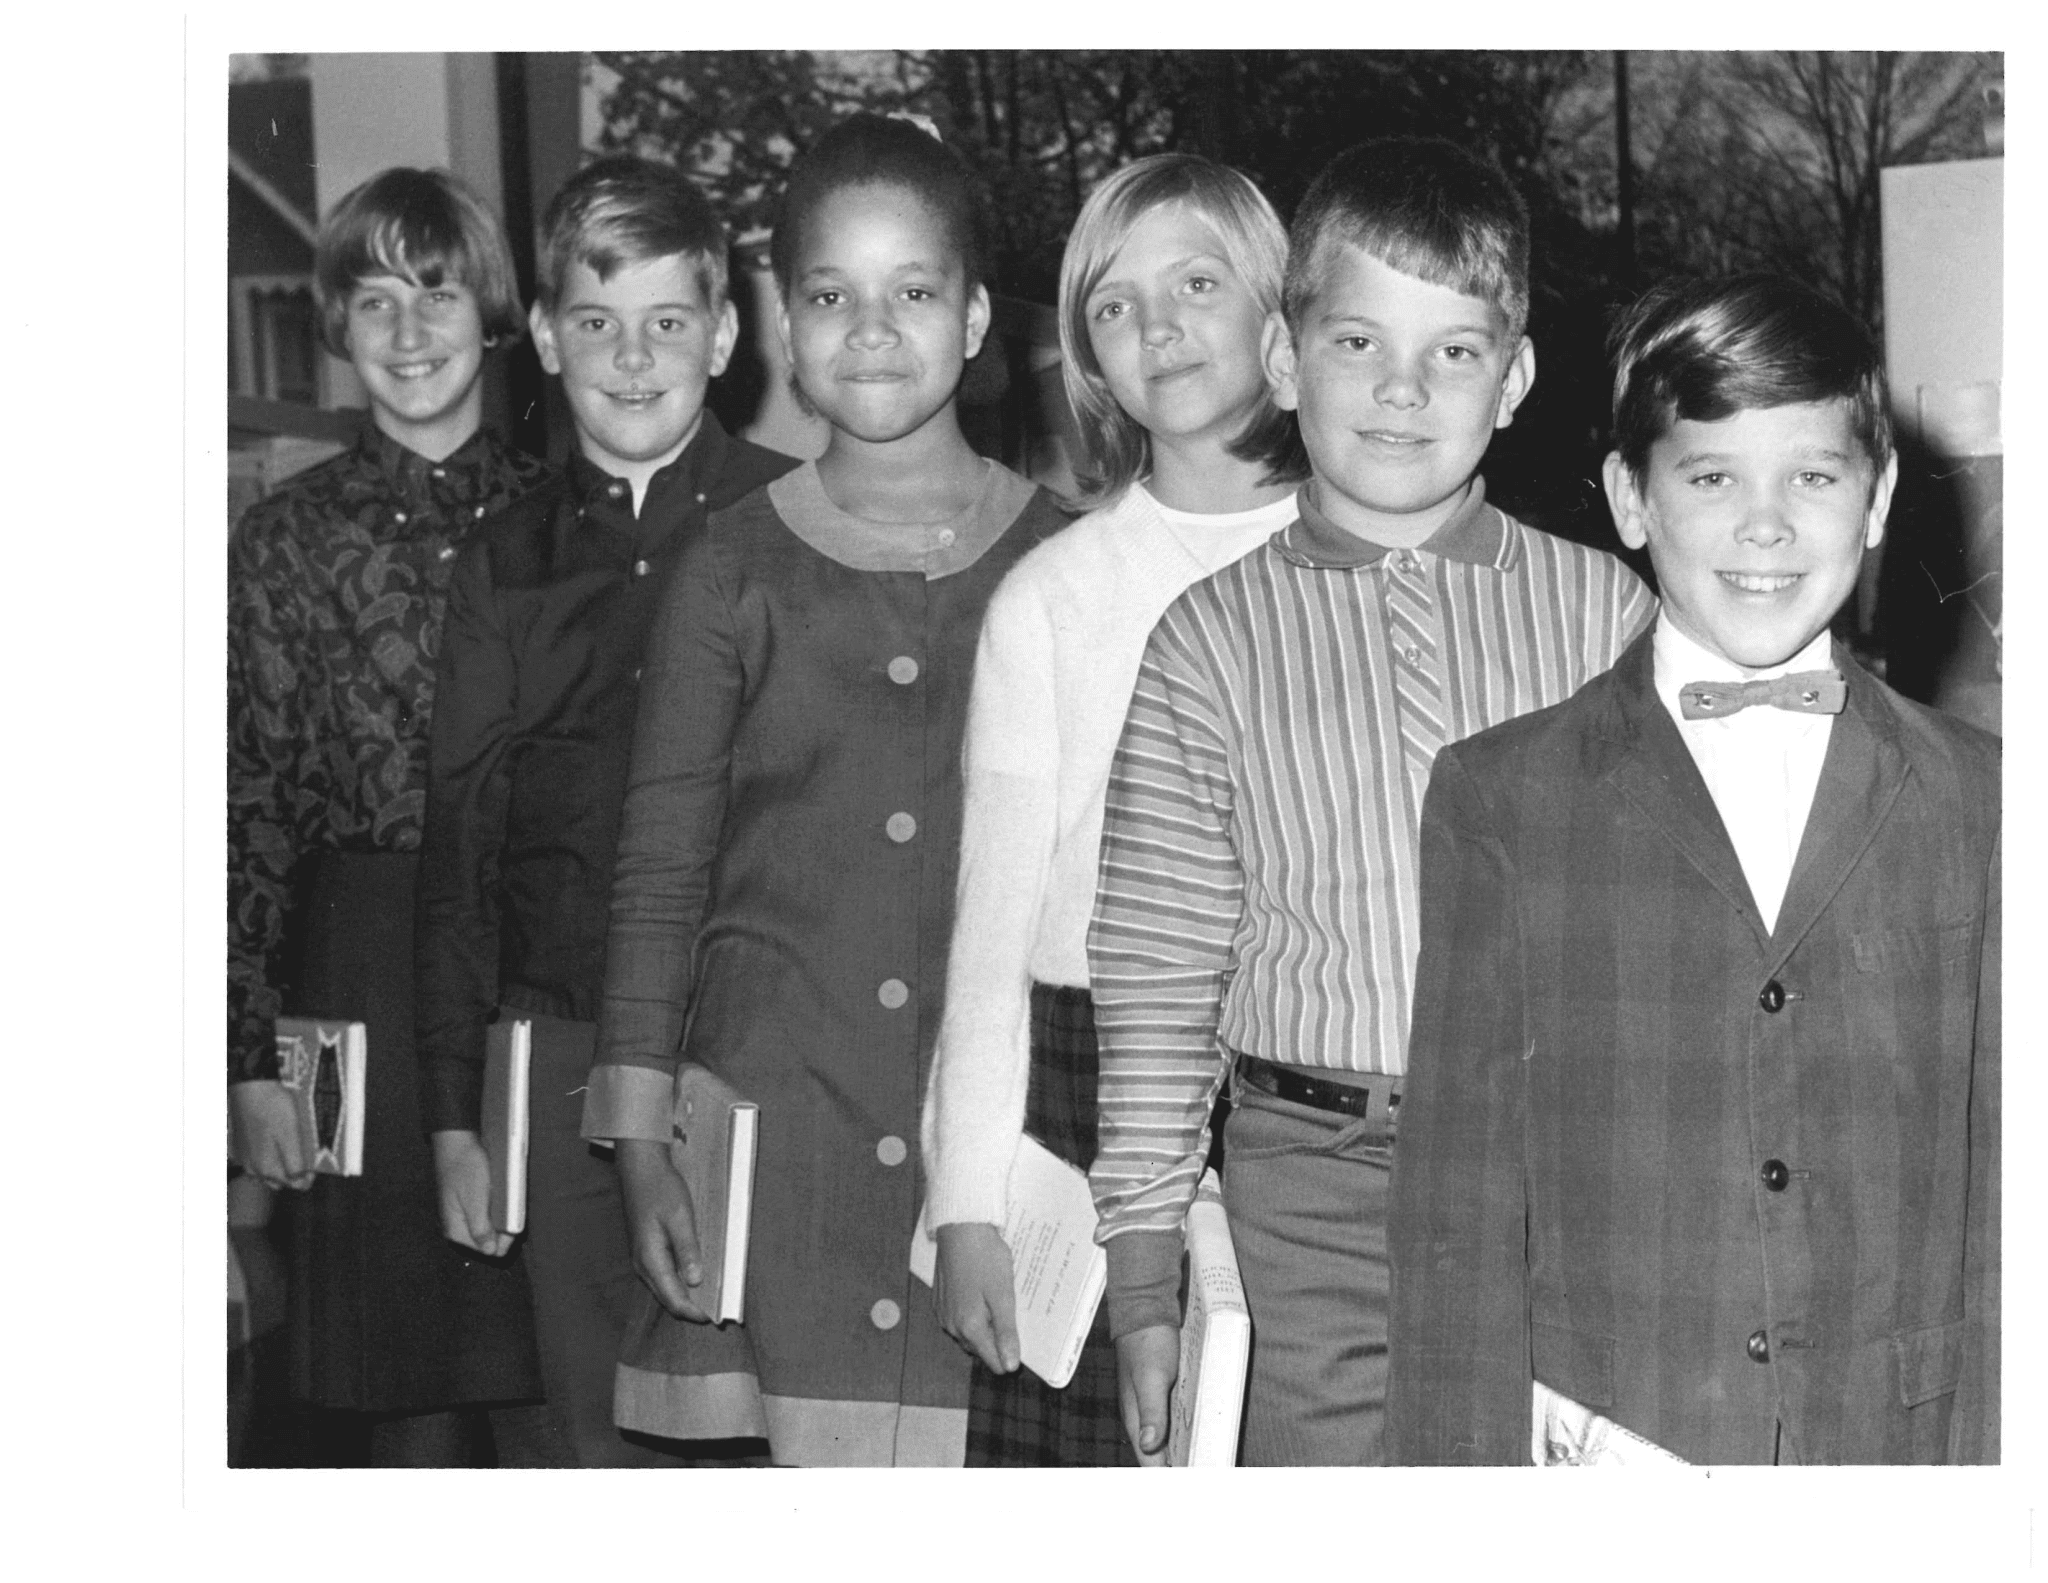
<point x="1860" y="779"/>
<point x="1655" y="772"/>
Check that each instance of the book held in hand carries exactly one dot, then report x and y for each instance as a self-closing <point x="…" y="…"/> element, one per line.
<point x="712" y="1146"/>
<point x="1215" y="1342"/>
<point x="1060" y="1272"/>
<point x="321" y="1064"/>
<point x="508" y="1068"/>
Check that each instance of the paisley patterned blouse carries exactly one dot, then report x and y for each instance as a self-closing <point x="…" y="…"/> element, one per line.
<point x="335" y="589"/>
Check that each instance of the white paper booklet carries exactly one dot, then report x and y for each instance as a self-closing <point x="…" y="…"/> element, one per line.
<point x="1060" y="1271"/>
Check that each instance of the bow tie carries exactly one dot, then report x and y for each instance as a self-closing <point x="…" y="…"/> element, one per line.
<point x="1803" y="692"/>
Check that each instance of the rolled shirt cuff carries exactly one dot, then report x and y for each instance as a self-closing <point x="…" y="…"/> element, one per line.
<point x="629" y="1102"/>
<point x="1144" y="1280"/>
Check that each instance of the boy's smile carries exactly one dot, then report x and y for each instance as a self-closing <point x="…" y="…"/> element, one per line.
<point x="635" y="354"/>
<point x="1756" y="525"/>
<point x="1399" y="385"/>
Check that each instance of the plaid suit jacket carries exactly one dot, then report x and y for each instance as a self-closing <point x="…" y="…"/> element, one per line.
<point x="1735" y="1189"/>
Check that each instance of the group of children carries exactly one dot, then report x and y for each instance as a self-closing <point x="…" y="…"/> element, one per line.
<point x="1664" y="937"/>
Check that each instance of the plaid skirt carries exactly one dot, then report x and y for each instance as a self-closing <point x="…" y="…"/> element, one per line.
<point x="1017" y="1420"/>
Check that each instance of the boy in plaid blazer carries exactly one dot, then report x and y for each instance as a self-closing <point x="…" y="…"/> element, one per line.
<point x="1699" y="1143"/>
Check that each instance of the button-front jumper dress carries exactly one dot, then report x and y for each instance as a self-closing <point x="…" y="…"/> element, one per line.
<point x="782" y="913"/>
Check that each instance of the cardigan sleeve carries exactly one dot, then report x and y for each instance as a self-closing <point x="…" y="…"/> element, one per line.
<point x="974" y="1109"/>
<point x="1459" y="1373"/>
<point x="467" y="789"/>
<point x="676" y="795"/>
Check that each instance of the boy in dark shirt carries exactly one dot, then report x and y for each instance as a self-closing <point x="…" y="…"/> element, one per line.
<point x="547" y="619"/>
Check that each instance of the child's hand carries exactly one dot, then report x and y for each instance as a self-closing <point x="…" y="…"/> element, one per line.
<point x="976" y="1293"/>
<point x="464" y="1172"/>
<point x="1147" y="1364"/>
<point x="661" y="1225"/>
<point x="265" y="1123"/>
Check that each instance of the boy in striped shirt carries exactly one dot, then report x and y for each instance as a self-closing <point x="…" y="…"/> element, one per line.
<point x="1255" y="913"/>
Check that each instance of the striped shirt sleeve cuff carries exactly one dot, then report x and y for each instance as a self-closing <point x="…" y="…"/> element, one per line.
<point x="629" y="1102"/>
<point x="1144" y="1281"/>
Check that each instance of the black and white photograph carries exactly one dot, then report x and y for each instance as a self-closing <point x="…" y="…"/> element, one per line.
<point x="1173" y="756"/>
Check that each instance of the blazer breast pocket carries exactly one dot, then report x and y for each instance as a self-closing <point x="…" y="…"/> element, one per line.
<point x="1913" y="950"/>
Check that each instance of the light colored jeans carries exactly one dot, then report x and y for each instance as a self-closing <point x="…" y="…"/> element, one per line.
<point x="1306" y="1192"/>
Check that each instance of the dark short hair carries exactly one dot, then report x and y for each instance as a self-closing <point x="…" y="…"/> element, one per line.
<point x="867" y="150"/>
<point x="1705" y="350"/>
<point x="1423" y="206"/>
<point x="623" y="209"/>
<point x="1117" y="450"/>
<point x="424" y="226"/>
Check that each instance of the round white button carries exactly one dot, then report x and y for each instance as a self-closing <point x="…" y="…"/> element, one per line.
<point x="479" y="513"/>
<point x="1414" y="655"/>
<point x="892" y="1150"/>
<point x="946" y="537"/>
<point x="901" y="827"/>
<point x="885" y="1315"/>
<point x="903" y="670"/>
<point x="447" y="552"/>
<point x="398" y="516"/>
<point x="440" y="472"/>
<point x="639" y="568"/>
<point x="893" y="993"/>
<point x="615" y="489"/>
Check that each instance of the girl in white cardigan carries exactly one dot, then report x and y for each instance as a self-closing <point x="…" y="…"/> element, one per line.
<point x="1171" y="272"/>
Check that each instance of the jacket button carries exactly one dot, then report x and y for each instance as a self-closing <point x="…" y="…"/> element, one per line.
<point x="1775" y="1175"/>
<point x="892" y="1150"/>
<point x="615" y="489"/>
<point x="901" y="827"/>
<point x="885" y="1315"/>
<point x="893" y="993"/>
<point x="1759" y="1347"/>
<point x="1772" y="996"/>
<point x="903" y="670"/>
<point x="639" y="568"/>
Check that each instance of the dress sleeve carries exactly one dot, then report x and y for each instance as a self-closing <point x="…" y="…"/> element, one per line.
<point x="1459" y="1380"/>
<point x="456" y="956"/>
<point x="676" y="794"/>
<point x="267" y="722"/>
<point x="974" y="1111"/>
<point x="1168" y="899"/>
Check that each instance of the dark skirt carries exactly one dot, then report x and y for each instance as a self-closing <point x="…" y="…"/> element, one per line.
<point x="1017" y="1420"/>
<point x="386" y="1314"/>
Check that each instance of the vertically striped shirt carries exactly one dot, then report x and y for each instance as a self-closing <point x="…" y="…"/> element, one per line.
<point x="1257" y="890"/>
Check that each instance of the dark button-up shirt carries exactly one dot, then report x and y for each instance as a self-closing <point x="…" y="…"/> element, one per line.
<point x="547" y="621"/>
<point x="335" y="587"/>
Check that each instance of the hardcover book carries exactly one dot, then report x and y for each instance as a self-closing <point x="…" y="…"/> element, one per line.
<point x="1060" y="1272"/>
<point x="508" y="1067"/>
<point x="321" y="1063"/>
<point x="712" y="1147"/>
<point x="1215" y="1342"/>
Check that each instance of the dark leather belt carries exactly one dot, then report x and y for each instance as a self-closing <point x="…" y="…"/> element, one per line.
<point x="1297" y="1087"/>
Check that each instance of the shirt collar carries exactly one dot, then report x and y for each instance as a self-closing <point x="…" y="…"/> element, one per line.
<point x="1475" y="532"/>
<point x="459" y="475"/>
<point x="697" y="461"/>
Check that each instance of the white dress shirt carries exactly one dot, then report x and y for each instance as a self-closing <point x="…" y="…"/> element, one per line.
<point x="1761" y="764"/>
